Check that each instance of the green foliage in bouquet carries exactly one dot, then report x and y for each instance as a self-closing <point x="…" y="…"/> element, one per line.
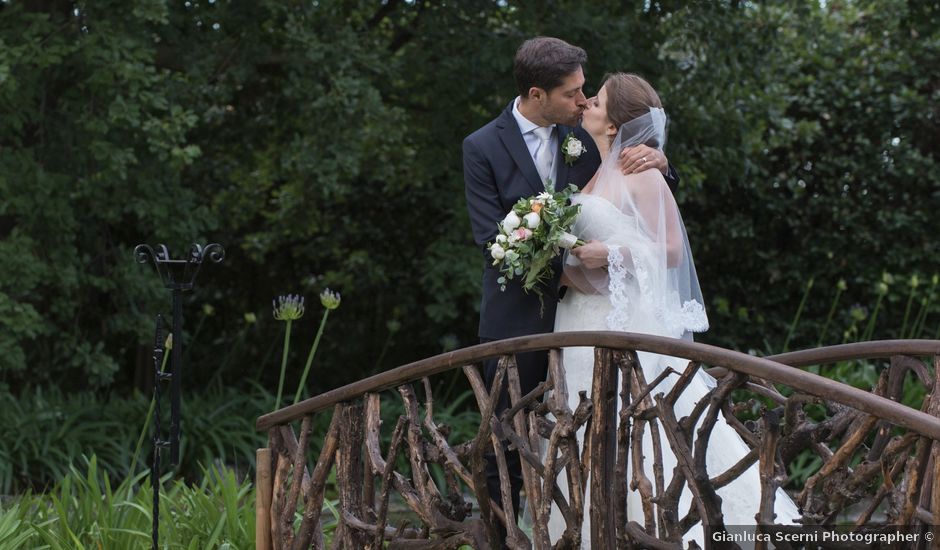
<point x="532" y="233"/>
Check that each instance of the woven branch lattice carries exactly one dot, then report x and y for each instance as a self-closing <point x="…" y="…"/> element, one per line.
<point x="868" y="463"/>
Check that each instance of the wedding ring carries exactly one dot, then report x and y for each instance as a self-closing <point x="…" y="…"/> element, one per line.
<point x="644" y="160"/>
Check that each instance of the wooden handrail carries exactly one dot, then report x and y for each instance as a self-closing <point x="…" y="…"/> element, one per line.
<point x="859" y="350"/>
<point x="779" y="369"/>
<point x="887" y="468"/>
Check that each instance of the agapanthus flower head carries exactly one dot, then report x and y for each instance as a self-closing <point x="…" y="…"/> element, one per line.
<point x="330" y="299"/>
<point x="288" y="308"/>
<point x="858" y="313"/>
<point x="449" y="342"/>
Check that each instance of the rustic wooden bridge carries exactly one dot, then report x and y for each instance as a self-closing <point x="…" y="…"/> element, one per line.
<point x="880" y="458"/>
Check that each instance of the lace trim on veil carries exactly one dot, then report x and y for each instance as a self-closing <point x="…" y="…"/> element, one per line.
<point x="676" y="321"/>
<point x="619" y="315"/>
<point x="690" y="317"/>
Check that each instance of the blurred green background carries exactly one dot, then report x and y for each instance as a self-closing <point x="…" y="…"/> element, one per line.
<point x="320" y="143"/>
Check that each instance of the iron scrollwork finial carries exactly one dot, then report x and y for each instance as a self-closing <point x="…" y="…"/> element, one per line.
<point x="179" y="274"/>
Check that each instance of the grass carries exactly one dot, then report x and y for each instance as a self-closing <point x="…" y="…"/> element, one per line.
<point x="218" y="428"/>
<point x="84" y="511"/>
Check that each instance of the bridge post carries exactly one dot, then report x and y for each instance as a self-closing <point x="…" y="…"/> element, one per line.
<point x="350" y="473"/>
<point x="603" y="455"/>
<point x="263" y="491"/>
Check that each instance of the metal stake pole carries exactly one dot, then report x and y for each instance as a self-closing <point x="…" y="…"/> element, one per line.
<point x="177" y="374"/>
<point x="159" y="350"/>
<point x="177" y="276"/>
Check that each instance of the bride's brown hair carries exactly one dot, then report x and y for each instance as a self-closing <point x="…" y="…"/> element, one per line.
<point x="629" y="96"/>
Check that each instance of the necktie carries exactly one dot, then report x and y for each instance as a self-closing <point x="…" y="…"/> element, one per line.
<point x="544" y="155"/>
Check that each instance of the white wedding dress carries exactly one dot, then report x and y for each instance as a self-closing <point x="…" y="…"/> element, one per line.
<point x="640" y="295"/>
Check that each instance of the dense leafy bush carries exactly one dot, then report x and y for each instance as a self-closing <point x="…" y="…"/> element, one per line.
<point x="320" y="143"/>
<point x="813" y="159"/>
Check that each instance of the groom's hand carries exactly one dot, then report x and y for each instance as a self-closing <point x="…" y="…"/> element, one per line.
<point x="593" y="254"/>
<point x="642" y="157"/>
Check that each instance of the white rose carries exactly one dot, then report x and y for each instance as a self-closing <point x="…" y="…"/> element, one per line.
<point x="497" y="252"/>
<point x="532" y="220"/>
<point x="501" y="239"/>
<point x="567" y="240"/>
<point x="574" y="148"/>
<point x="511" y="221"/>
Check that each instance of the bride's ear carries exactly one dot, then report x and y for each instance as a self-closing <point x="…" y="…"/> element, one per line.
<point x="610" y="131"/>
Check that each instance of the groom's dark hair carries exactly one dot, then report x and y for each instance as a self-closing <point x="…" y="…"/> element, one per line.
<point x="544" y="62"/>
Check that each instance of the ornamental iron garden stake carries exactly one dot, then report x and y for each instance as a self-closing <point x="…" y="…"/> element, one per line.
<point x="177" y="276"/>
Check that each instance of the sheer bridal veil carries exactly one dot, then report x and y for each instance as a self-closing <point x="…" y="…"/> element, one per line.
<point x="650" y="277"/>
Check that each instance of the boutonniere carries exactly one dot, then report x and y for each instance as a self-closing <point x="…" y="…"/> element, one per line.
<point x="572" y="148"/>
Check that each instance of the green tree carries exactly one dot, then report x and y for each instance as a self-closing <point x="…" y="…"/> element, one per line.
<point x="92" y="157"/>
<point x="319" y="142"/>
<point x="809" y="132"/>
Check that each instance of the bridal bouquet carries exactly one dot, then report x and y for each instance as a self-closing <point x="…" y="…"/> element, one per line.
<point x="531" y="234"/>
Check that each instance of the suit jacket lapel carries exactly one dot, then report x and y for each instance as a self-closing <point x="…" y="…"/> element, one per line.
<point x="512" y="139"/>
<point x="561" y="173"/>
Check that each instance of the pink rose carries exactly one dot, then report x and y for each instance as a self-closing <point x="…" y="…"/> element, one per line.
<point x="522" y="233"/>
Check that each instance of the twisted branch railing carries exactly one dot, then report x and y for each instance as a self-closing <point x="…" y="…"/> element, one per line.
<point x="878" y="456"/>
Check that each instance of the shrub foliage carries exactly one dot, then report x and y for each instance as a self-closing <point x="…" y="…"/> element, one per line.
<point x="320" y="143"/>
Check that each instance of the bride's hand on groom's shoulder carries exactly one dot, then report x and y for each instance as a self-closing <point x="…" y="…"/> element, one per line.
<point x="640" y="158"/>
<point x="593" y="254"/>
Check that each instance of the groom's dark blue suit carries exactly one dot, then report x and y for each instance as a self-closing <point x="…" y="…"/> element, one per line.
<point x="498" y="171"/>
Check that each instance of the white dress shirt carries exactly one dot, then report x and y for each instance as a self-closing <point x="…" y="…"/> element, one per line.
<point x="532" y="141"/>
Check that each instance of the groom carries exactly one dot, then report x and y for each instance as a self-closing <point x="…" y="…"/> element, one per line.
<point x="518" y="154"/>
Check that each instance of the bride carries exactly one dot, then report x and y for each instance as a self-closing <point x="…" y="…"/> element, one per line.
<point x="636" y="274"/>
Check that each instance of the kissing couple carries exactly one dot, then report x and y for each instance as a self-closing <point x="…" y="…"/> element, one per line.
<point x="635" y="271"/>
